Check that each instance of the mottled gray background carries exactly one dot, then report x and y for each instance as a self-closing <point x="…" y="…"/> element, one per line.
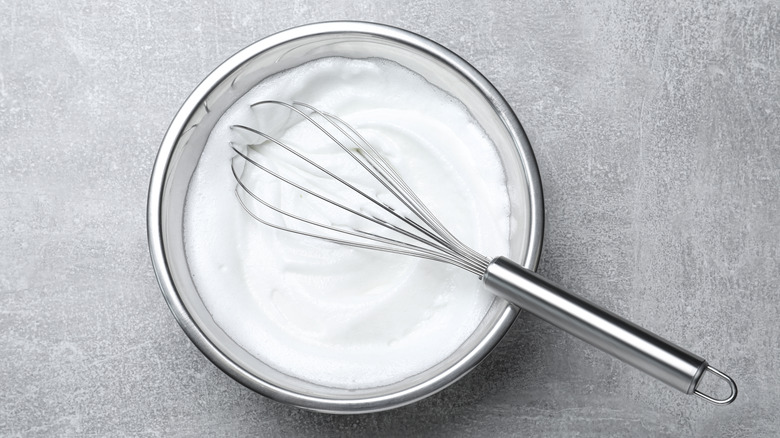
<point x="656" y="130"/>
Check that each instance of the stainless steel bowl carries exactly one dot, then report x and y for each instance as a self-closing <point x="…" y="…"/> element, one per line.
<point x="186" y="138"/>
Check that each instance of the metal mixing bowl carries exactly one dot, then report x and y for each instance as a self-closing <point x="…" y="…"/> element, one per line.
<point x="186" y="138"/>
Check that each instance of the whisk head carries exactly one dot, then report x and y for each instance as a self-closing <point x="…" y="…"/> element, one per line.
<point x="391" y="219"/>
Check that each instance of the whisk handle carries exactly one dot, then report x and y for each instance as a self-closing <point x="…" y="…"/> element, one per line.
<point x="622" y="339"/>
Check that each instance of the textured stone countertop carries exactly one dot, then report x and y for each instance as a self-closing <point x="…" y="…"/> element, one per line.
<point x="657" y="133"/>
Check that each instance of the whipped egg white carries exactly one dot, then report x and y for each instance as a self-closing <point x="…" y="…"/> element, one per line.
<point x="330" y="314"/>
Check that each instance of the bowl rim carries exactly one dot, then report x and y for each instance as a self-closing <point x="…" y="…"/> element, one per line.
<point x="155" y="225"/>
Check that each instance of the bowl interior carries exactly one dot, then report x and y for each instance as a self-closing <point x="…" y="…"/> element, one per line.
<point x="187" y="137"/>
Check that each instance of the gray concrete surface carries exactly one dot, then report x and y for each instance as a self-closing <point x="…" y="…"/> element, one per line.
<point x="656" y="130"/>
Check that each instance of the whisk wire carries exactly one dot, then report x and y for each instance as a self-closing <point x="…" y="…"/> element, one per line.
<point x="373" y="219"/>
<point x="436" y="244"/>
<point x="332" y="175"/>
<point x="368" y="164"/>
<point x="396" y="184"/>
<point x="419" y="254"/>
<point x="442" y="245"/>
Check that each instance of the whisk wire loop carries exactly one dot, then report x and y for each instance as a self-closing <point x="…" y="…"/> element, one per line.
<point x="439" y="244"/>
